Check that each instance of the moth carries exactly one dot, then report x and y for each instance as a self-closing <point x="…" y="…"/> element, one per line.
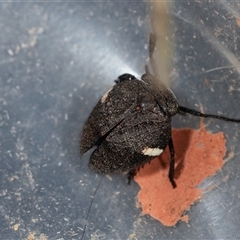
<point x="131" y="123"/>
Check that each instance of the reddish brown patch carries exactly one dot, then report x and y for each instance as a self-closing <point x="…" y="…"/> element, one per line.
<point x="238" y="21"/>
<point x="199" y="154"/>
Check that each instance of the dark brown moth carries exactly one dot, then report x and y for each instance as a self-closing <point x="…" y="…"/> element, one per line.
<point x="131" y="123"/>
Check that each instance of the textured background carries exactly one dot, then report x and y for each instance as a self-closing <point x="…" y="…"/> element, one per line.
<point x="56" y="60"/>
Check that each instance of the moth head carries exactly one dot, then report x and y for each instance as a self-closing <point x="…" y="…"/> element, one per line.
<point x="165" y="96"/>
<point x="172" y="103"/>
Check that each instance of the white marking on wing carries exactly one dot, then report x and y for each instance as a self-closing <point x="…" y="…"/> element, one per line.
<point x="104" y="97"/>
<point x="152" y="151"/>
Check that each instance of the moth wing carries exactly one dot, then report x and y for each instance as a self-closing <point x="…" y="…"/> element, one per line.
<point x="109" y="111"/>
<point x="137" y="140"/>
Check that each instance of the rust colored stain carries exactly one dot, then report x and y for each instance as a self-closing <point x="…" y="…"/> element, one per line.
<point x="238" y="21"/>
<point x="198" y="155"/>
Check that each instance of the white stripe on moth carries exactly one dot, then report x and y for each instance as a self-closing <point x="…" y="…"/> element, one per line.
<point x="104" y="97"/>
<point x="152" y="151"/>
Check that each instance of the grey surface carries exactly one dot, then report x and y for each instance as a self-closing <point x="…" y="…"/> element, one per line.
<point x="56" y="60"/>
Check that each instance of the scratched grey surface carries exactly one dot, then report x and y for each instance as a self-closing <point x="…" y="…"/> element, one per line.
<point x="56" y="60"/>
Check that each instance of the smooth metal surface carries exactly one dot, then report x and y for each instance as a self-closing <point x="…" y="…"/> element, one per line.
<point x="56" y="60"/>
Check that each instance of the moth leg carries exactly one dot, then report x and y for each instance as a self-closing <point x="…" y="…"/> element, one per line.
<point x="182" y="112"/>
<point x="172" y="164"/>
<point x="199" y="114"/>
<point x="131" y="174"/>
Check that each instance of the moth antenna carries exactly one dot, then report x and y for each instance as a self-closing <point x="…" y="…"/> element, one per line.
<point x="199" y="114"/>
<point x="147" y="70"/>
<point x="152" y="46"/>
<point x="94" y="194"/>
